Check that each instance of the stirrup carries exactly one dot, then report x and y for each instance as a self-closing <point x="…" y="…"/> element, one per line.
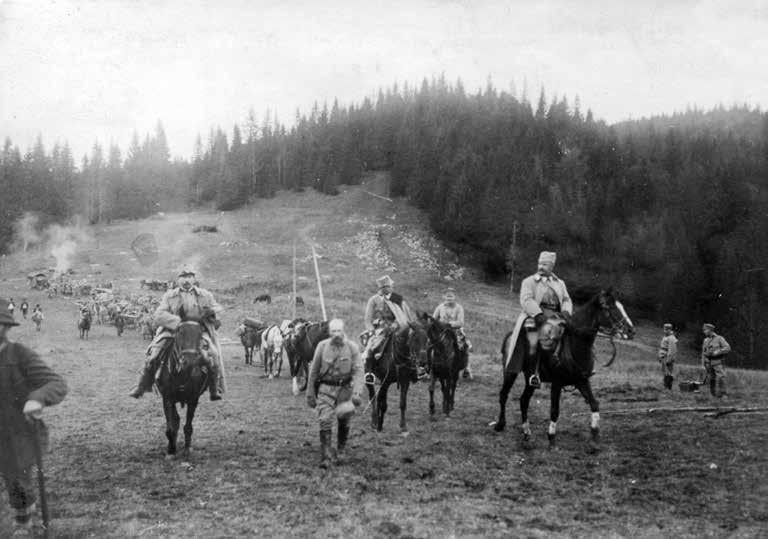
<point x="534" y="381"/>
<point x="369" y="378"/>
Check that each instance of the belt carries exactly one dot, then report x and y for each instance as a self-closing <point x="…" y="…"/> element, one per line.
<point x="343" y="382"/>
<point x="550" y="306"/>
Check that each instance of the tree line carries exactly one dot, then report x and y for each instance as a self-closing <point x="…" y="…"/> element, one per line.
<point x="671" y="210"/>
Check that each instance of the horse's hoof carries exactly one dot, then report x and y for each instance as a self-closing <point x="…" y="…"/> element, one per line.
<point x="404" y="433"/>
<point x="170" y="456"/>
<point x="499" y="426"/>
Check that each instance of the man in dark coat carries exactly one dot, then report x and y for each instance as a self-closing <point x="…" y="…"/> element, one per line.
<point x="27" y="385"/>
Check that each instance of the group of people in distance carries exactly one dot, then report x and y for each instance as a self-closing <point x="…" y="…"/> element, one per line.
<point x="714" y="350"/>
<point x="337" y="376"/>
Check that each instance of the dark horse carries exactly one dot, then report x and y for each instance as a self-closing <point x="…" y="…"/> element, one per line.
<point x="575" y="365"/>
<point x="300" y="348"/>
<point x="446" y="362"/>
<point x="84" y="324"/>
<point x="251" y="338"/>
<point x="183" y="377"/>
<point x="403" y="352"/>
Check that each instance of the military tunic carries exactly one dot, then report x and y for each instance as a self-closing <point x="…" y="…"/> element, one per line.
<point x="336" y="373"/>
<point x="713" y="352"/>
<point x="668" y="354"/>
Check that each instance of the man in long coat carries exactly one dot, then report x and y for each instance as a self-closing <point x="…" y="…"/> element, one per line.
<point x="187" y="302"/>
<point x="668" y="355"/>
<point x="27" y="385"/>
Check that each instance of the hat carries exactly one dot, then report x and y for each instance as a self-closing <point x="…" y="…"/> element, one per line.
<point x="668" y="326"/>
<point x="547" y="256"/>
<point x="384" y="281"/>
<point x="710" y="327"/>
<point x="186" y="269"/>
<point x="345" y="409"/>
<point x="6" y="318"/>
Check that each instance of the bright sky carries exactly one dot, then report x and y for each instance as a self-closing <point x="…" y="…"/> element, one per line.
<point x="84" y="71"/>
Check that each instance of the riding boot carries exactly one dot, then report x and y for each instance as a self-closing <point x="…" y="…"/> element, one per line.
<point x="713" y="386"/>
<point x="325" y="448"/>
<point x="369" y="378"/>
<point x="534" y="381"/>
<point x="215" y="383"/>
<point x="720" y="384"/>
<point x="343" y="434"/>
<point x="146" y="378"/>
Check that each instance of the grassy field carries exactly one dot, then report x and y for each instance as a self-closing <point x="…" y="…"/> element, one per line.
<point x="254" y="470"/>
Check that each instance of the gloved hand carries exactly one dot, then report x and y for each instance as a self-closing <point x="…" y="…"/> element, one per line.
<point x="566" y="316"/>
<point x="33" y="410"/>
<point x="311" y="401"/>
<point x="356" y="400"/>
<point x="216" y="323"/>
<point x="540" y="319"/>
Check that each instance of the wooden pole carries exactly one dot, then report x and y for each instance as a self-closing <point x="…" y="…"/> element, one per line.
<point x="294" y="281"/>
<point x="319" y="282"/>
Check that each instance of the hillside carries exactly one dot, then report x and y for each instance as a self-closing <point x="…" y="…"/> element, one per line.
<point x="253" y="471"/>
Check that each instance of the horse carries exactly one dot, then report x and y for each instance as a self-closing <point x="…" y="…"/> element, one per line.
<point x="272" y="351"/>
<point x="84" y="324"/>
<point x="402" y="353"/>
<point x="251" y="339"/>
<point x="183" y="376"/>
<point x="446" y="361"/>
<point x="300" y="348"/>
<point x="264" y="298"/>
<point x="574" y="367"/>
<point x="120" y="324"/>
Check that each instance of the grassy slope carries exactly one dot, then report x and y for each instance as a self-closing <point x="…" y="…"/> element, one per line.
<point x="254" y="469"/>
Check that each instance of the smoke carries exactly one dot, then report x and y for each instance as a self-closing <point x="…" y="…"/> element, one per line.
<point x="25" y="233"/>
<point x="63" y="242"/>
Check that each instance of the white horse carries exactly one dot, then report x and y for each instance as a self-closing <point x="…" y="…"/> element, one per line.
<point x="272" y="351"/>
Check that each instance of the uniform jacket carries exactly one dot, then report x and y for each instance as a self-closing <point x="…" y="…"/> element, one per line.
<point x="23" y="376"/>
<point x="715" y="348"/>
<point x="454" y="315"/>
<point x="534" y="288"/>
<point x="193" y="302"/>
<point x="668" y="349"/>
<point x="334" y="364"/>
<point x="392" y="308"/>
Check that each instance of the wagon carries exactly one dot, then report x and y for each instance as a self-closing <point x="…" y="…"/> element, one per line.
<point x="38" y="280"/>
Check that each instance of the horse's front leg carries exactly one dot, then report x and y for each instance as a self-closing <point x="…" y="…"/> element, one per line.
<point x="432" y="392"/>
<point x="454" y="382"/>
<point x="404" y="384"/>
<point x="506" y="386"/>
<point x="554" y="412"/>
<point x="373" y="404"/>
<point x="445" y="388"/>
<point x="525" y="400"/>
<point x="381" y="405"/>
<point x="171" y="426"/>
<point x="191" y="407"/>
<point x="279" y="364"/>
<point x="585" y="388"/>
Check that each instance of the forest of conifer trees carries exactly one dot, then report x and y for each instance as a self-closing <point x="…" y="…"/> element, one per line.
<point x="672" y="210"/>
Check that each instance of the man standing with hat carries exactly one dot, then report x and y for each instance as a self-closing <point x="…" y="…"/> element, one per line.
<point x="543" y="296"/>
<point x="27" y="385"/>
<point x="385" y="312"/>
<point x="333" y="387"/>
<point x="452" y="313"/>
<point x="668" y="355"/>
<point x="187" y="302"/>
<point x="713" y="353"/>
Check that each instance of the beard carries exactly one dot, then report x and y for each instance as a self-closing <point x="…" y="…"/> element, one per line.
<point x="337" y="340"/>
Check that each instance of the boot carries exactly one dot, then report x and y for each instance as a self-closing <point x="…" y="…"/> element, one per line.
<point x="342" y="442"/>
<point x="214" y="386"/>
<point x="146" y="379"/>
<point x="369" y="378"/>
<point x="713" y="386"/>
<point x="325" y="449"/>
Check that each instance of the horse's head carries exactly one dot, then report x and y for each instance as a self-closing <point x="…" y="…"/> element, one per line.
<point x="188" y="341"/>
<point x="613" y="319"/>
<point x="418" y="343"/>
<point x="439" y="333"/>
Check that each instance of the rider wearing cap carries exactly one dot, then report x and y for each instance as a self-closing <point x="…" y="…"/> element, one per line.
<point x="452" y="313"/>
<point x="187" y="302"/>
<point x="385" y="312"/>
<point x="543" y="295"/>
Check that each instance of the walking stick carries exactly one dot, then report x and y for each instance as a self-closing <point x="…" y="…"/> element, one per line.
<point x="40" y="476"/>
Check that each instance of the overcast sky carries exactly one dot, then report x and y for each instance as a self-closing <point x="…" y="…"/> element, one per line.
<point x="100" y="70"/>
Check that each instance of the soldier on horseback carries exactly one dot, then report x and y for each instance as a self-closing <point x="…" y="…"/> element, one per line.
<point x="187" y="302"/>
<point x="452" y="313"/>
<point x="385" y="313"/>
<point x="543" y="297"/>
